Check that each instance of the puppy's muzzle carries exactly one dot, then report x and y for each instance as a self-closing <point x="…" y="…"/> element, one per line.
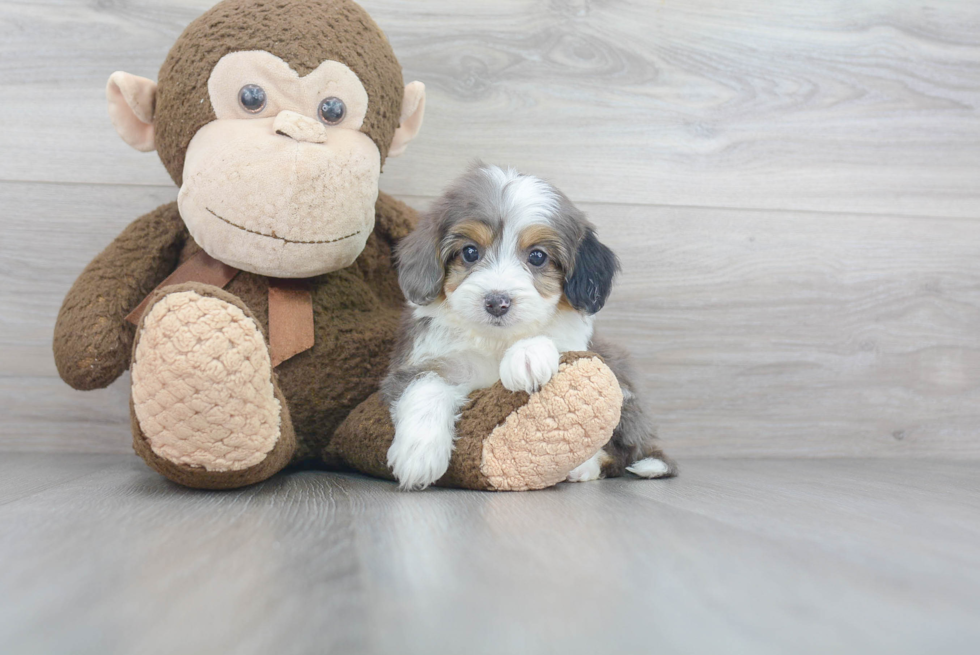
<point x="496" y="304"/>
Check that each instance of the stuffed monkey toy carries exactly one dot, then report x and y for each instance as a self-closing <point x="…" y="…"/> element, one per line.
<point x="258" y="312"/>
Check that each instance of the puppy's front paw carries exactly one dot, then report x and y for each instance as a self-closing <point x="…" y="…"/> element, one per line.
<point x="425" y="427"/>
<point x="529" y="364"/>
<point x="419" y="457"/>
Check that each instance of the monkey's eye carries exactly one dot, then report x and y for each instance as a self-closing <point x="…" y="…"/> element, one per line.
<point x="252" y="98"/>
<point x="537" y="258"/>
<point x="332" y="110"/>
<point x="470" y="254"/>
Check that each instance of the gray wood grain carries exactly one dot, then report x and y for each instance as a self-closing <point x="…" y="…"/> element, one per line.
<point x="755" y="333"/>
<point x="824" y="334"/>
<point x="872" y="108"/>
<point x="735" y="556"/>
<point x="850" y="330"/>
<point x="24" y="474"/>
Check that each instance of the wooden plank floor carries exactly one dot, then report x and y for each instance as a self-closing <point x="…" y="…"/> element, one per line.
<point x="101" y="555"/>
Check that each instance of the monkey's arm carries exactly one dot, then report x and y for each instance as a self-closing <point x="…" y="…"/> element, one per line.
<point x="92" y="340"/>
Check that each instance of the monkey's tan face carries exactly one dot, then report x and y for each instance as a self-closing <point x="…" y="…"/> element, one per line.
<point x="283" y="183"/>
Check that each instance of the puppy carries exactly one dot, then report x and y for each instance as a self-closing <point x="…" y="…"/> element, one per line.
<point x="502" y="275"/>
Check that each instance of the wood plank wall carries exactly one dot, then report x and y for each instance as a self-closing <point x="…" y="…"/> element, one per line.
<point x="794" y="189"/>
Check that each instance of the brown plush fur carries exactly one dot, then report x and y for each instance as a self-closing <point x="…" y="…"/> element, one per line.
<point x="304" y="34"/>
<point x="356" y="310"/>
<point x="363" y="439"/>
<point x="356" y="314"/>
<point x="92" y="341"/>
<point x="336" y="418"/>
<point x="332" y="411"/>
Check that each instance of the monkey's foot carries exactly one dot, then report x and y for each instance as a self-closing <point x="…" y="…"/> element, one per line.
<point x="561" y="426"/>
<point x="506" y="441"/>
<point x="206" y="410"/>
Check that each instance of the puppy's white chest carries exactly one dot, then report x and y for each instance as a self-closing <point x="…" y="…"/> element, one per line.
<point x="473" y="368"/>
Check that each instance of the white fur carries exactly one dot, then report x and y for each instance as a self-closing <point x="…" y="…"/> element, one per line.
<point x="425" y="427"/>
<point x="503" y="274"/>
<point x="521" y="348"/>
<point x="524" y="199"/>
<point x="651" y="467"/>
<point x="529" y="364"/>
<point x="571" y="331"/>
<point x="589" y="470"/>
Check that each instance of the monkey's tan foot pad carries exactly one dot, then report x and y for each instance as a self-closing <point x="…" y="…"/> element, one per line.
<point x="559" y="427"/>
<point x="203" y="393"/>
<point x="505" y="440"/>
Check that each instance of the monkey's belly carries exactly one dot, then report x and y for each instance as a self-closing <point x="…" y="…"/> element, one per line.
<point x="346" y="364"/>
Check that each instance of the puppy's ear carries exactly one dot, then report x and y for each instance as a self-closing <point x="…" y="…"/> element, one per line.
<point x="420" y="268"/>
<point x="591" y="279"/>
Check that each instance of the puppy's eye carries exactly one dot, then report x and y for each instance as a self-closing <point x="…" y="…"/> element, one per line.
<point x="470" y="254"/>
<point x="252" y="98"/>
<point x="332" y="110"/>
<point x="537" y="258"/>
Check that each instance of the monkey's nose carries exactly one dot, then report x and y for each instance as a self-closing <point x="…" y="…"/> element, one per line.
<point x="299" y="127"/>
<point x="496" y="304"/>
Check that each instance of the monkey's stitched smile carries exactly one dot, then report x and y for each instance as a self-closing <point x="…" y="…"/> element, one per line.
<point x="273" y="236"/>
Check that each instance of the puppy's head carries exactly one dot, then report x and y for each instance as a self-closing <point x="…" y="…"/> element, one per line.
<point x="505" y="251"/>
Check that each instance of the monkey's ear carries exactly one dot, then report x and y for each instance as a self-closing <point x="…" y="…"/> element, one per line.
<point x="132" y="100"/>
<point x="410" y="122"/>
<point x="591" y="280"/>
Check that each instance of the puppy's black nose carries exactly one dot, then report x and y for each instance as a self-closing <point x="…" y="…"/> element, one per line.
<point x="496" y="304"/>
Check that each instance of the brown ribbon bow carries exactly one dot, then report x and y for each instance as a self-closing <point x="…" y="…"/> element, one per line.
<point x="290" y="304"/>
